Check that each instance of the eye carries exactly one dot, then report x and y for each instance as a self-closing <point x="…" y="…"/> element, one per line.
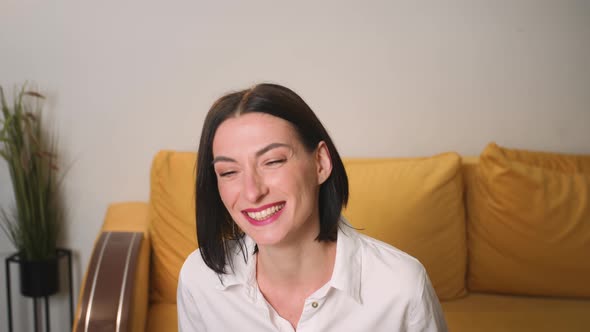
<point x="275" y="162"/>
<point x="226" y="174"/>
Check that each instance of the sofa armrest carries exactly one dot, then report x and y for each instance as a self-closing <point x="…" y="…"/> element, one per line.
<point x="117" y="278"/>
<point x="127" y="217"/>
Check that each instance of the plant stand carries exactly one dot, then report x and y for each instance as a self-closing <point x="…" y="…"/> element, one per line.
<point x="61" y="253"/>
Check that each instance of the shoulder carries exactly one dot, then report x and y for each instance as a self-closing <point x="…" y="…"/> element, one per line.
<point x="195" y="273"/>
<point x="376" y="254"/>
<point x="388" y="264"/>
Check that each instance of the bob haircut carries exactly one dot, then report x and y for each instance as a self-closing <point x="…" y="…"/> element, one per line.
<point x="216" y="228"/>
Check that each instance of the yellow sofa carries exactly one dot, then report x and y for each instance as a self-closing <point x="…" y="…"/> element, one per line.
<point x="505" y="238"/>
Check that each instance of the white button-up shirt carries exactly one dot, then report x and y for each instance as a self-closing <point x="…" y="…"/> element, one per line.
<point x="374" y="287"/>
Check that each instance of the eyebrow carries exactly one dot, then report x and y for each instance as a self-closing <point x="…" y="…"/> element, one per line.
<point x="258" y="153"/>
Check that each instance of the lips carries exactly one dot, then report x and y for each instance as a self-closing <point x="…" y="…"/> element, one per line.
<point x="265" y="214"/>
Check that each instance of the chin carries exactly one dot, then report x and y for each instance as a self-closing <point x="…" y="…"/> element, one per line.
<point x="267" y="239"/>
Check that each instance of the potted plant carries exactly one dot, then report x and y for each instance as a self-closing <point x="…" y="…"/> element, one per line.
<point x="33" y="224"/>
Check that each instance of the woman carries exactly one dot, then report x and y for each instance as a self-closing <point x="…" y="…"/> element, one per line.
<point x="275" y="254"/>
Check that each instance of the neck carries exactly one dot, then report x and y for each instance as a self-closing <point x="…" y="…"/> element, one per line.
<point x="289" y="274"/>
<point x="304" y="264"/>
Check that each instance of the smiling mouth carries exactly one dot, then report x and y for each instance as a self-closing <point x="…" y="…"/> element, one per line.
<point x="265" y="213"/>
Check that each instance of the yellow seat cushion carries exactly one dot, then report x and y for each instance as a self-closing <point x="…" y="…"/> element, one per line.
<point x="492" y="313"/>
<point x="162" y="317"/>
<point x="529" y="223"/>
<point x="172" y="220"/>
<point x="416" y="205"/>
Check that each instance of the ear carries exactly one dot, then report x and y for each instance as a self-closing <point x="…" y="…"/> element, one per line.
<point x="323" y="162"/>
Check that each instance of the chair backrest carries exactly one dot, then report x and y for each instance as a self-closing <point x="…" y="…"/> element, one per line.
<point x="415" y="204"/>
<point x="172" y="220"/>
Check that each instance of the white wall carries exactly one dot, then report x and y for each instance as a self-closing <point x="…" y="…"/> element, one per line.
<point x="388" y="78"/>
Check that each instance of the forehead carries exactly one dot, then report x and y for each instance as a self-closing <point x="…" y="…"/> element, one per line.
<point x="251" y="131"/>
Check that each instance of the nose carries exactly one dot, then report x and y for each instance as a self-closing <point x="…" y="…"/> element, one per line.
<point x="254" y="188"/>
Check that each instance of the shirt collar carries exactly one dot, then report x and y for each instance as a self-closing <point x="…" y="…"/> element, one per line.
<point x="347" y="266"/>
<point x="346" y="275"/>
<point x="243" y="271"/>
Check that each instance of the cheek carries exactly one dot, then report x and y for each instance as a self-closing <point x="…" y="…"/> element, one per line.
<point x="227" y="192"/>
<point x="303" y="183"/>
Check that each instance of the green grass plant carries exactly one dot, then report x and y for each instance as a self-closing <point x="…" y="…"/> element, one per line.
<point x="33" y="223"/>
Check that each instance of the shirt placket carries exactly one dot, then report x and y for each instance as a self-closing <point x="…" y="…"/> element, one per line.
<point x="311" y="309"/>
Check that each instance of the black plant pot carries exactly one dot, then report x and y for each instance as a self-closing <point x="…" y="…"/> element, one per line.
<point x="39" y="278"/>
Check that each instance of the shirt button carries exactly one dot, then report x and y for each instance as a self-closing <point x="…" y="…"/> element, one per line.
<point x="314" y="304"/>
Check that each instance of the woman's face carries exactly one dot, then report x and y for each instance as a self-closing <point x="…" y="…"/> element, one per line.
<point x="267" y="180"/>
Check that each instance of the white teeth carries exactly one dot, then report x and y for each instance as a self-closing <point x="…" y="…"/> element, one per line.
<point x="264" y="214"/>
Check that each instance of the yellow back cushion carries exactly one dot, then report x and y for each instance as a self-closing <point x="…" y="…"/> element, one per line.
<point x="416" y="205"/>
<point x="529" y="223"/>
<point x="172" y="220"/>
